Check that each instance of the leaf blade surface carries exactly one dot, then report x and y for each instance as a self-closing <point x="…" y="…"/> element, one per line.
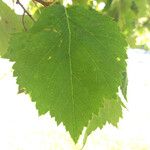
<point x="63" y="62"/>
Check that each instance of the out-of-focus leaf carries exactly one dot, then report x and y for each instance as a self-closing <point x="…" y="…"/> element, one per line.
<point x="80" y="2"/>
<point x="111" y="112"/>
<point x="9" y="23"/>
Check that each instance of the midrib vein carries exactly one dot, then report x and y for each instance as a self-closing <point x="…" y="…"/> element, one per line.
<point x="70" y="65"/>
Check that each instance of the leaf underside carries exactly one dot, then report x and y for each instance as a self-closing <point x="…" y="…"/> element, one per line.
<point x="70" y="62"/>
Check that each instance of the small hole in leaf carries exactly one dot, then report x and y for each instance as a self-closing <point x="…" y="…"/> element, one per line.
<point x="49" y="57"/>
<point x="118" y="59"/>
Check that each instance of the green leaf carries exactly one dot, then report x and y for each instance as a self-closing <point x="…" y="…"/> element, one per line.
<point x="111" y="112"/>
<point x="124" y="84"/>
<point x="81" y="2"/>
<point x="69" y="62"/>
<point x="9" y="23"/>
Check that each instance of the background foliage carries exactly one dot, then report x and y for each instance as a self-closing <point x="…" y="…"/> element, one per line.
<point x="133" y="17"/>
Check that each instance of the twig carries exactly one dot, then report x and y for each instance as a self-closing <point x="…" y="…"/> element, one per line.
<point x="25" y="11"/>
